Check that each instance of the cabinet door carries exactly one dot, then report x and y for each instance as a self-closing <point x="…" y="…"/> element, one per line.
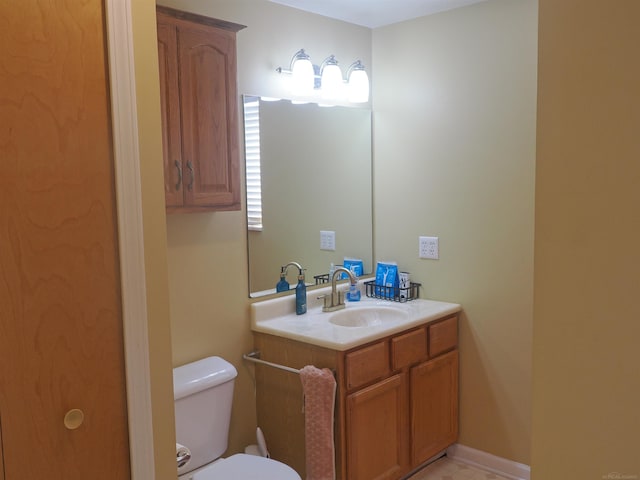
<point x="377" y="431"/>
<point x="170" y="111"/>
<point x="434" y="406"/>
<point x="208" y="102"/>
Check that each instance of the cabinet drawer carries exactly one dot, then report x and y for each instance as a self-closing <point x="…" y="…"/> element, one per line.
<point x="443" y="336"/>
<point x="408" y="348"/>
<point x="367" y="364"/>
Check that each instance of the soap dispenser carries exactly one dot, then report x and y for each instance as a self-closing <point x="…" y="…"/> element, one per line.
<point x="301" y="294"/>
<point x="282" y="285"/>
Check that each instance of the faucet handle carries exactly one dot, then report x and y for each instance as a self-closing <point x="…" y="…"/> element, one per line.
<point x="327" y="299"/>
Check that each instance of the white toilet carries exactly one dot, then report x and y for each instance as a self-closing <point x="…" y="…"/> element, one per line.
<point x="203" y="393"/>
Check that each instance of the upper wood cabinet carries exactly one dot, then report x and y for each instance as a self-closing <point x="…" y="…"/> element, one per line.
<point x="199" y="107"/>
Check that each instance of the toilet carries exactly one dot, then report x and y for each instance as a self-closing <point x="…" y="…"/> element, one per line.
<point x="203" y="393"/>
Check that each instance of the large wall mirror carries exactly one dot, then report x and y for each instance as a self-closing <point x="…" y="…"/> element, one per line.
<point x="315" y="175"/>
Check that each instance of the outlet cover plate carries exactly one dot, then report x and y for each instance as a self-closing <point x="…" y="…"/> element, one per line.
<point x="428" y="248"/>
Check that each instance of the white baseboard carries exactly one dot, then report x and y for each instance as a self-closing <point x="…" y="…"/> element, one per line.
<point x="491" y="463"/>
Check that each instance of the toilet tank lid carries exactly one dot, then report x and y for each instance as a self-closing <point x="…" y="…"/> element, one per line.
<point x="200" y="375"/>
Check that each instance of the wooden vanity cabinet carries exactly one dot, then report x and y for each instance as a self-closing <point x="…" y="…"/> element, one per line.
<point x="199" y="108"/>
<point x="396" y="400"/>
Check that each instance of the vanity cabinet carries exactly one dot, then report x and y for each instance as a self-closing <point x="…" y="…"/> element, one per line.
<point x="199" y="108"/>
<point x="396" y="400"/>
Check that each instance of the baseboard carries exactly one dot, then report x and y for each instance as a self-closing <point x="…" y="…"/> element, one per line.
<point x="491" y="463"/>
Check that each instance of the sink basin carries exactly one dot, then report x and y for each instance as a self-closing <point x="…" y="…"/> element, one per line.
<point x="367" y="316"/>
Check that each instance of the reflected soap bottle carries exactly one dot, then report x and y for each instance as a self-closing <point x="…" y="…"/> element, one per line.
<point x="353" y="295"/>
<point x="282" y="285"/>
<point x="301" y="295"/>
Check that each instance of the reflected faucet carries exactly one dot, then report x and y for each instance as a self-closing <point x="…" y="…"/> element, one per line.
<point x="335" y="300"/>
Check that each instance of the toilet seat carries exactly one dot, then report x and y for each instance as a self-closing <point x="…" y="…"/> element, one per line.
<point x="247" y="467"/>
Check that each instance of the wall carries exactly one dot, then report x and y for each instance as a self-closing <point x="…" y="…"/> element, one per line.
<point x="154" y="231"/>
<point x="207" y="251"/>
<point x="454" y="147"/>
<point x="586" y="384"/>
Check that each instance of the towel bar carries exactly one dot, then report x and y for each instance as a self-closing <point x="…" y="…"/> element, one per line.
<point x="255" y="357"/>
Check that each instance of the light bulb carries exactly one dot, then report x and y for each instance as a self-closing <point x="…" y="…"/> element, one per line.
<point x="358" y="85"/>
<point x="302" y="75"/>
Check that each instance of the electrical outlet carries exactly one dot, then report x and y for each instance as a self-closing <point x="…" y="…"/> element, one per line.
<point x="428" y="247"/>
<point x="327" y="240"/>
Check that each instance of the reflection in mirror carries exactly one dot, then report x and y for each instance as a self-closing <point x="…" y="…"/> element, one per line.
<point x="314" y="175"/>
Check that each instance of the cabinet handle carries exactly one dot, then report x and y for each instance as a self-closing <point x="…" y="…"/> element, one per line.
<point x="179" y="167"/>
<point x="193" y="176"/>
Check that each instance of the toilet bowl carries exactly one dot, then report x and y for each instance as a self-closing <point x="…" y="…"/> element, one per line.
<point x="203" y="392"/>
<point x="246" y="467"/>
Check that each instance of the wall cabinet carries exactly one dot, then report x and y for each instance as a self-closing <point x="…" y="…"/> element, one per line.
<point x="396" y="405"/>
<point x="199" y="108"/>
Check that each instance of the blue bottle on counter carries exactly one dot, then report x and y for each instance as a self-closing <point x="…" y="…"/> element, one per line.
<point x="301" y="295"/>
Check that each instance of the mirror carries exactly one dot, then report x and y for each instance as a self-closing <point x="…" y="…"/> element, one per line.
<point x="315" y="175"/>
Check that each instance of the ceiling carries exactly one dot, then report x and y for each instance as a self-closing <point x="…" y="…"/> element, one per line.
<point x="375" y="13"/>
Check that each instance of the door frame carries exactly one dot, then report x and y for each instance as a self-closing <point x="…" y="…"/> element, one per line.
<point x="130" y="237"/>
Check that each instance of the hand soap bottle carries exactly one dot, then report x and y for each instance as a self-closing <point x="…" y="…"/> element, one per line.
<point x="301" y="295"/>
<point x="282" y="285"/>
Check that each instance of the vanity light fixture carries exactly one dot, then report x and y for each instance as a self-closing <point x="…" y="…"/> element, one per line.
<point x="309" y="79"/>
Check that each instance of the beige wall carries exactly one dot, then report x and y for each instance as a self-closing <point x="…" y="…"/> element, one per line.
<point x="207" y="251"/>
<point x="154" y="231"/>
<point x="454" y="149"/>
<point x="586" y="394"/>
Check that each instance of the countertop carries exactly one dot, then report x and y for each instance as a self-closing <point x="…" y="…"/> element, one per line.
<point x="277" y="317"/>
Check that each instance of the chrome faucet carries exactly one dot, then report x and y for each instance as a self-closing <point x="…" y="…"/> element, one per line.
<point x="335" y="300"/>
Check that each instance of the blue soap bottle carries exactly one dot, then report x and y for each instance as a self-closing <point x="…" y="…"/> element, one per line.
<point x="301" y="295"/>
<point x="282" y="285"/>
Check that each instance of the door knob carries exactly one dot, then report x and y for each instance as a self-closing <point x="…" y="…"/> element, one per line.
<point x="73" y="418"/>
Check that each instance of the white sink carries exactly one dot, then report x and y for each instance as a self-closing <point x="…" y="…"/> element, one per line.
<point x="368" y="316"/>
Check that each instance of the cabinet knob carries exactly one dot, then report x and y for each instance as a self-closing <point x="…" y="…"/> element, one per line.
<point x="73" y="418"/>
<point x="179" y="167"/>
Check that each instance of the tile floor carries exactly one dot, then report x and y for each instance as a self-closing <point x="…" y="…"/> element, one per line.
<point x="446" y="469"/>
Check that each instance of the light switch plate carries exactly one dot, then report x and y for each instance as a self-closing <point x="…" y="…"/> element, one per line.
<point x="327" y="240"/>
<point x="428" y="247"/>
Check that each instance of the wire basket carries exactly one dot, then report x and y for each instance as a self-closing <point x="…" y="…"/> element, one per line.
<point x="393" y="294"/>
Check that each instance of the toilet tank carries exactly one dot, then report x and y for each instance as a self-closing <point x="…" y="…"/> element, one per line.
<point x="203" y="393"/>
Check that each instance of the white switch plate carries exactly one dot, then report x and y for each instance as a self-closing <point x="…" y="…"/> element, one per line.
<point x="327" y="240"/>
<point x="428" y="247"/>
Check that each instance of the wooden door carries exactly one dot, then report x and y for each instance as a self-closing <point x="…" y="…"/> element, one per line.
<point x="377" y="431"/>
<point x="170" y="111"/>
<point x="208" y="99"/>
<point x="61" y="339"/>
<point x="434" y="406"/>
